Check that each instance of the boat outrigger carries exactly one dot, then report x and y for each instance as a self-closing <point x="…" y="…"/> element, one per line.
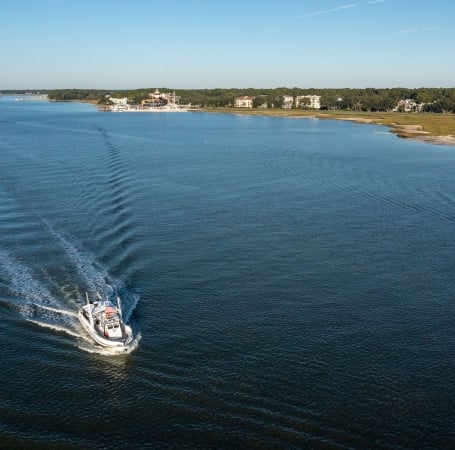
<point x="104" y="322"/>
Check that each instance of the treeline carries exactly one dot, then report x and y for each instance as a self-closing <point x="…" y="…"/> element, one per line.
<point x="438" y="100"/>
<point x="62" y="95"/>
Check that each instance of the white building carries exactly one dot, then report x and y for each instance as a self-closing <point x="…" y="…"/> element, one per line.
<point x="409" y="105"/>
<point x="288" y="101"/>
<point x="119" y="101"/>
<point x="244" y="101"/>
<point x="308" y="101"/>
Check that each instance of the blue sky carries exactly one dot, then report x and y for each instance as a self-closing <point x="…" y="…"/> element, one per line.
<point x="119" y="44"/>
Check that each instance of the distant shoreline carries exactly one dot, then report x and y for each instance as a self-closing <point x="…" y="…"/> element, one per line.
<point x="431" y="128"/>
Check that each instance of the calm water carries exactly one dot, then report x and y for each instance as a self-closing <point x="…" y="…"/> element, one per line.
<point x="290" y="282"/>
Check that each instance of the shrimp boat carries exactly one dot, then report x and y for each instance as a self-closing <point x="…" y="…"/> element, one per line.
<point x="104" y="322"/>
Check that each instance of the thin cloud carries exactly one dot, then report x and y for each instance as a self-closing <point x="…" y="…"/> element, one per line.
<point x="326" y="11"/>
<point x="371" y="2"/>
<point x="417" y="30"/>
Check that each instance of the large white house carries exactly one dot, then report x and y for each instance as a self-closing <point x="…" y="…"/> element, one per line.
<point x="308" y="101"/>
<point x="409" y="105"/>
<point x="288" y="101"/>
<point x="245" y="101"/>
<point x="118" y="101"/>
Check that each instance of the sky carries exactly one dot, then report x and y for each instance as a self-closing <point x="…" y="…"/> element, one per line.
<point x="190" y="44"/>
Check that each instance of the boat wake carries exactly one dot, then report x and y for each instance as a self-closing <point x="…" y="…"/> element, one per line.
<point x="32" y="300"/>
<point x="57" y="328"/>
<point x="95" y="277"/>
<point x="29" y="295"/>
<point x="59" y="311"/>
<point x="22" y="282"/>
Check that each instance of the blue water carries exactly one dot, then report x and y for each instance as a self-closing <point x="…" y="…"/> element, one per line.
<point x="289" y="281"/>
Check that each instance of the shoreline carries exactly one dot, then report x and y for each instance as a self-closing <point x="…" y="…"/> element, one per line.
<point x="417" y="127"/>
<point x="414" y="132"/>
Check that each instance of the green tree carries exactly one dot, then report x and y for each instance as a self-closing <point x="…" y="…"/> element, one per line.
<point x="259" y="100"/>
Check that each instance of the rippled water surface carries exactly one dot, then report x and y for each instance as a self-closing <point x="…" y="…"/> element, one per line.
<point x="290" y="283"/>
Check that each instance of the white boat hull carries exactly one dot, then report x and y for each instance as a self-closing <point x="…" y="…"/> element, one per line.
<point x="104" y="341"/>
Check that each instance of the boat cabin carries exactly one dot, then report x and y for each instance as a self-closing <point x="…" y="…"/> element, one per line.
<point x="112" y="329"/>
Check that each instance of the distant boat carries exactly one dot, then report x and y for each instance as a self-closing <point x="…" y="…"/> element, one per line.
<point x="104" y="323"/>
<point x="170" y="107"/>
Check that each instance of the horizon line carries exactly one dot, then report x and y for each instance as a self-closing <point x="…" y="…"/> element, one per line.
<point x="223" y="88"/>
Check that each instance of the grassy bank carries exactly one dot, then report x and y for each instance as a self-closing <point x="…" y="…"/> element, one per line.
<point x="407" y="125"/>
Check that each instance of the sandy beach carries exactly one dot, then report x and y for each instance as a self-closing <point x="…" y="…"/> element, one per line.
<point x="415" y="132"/>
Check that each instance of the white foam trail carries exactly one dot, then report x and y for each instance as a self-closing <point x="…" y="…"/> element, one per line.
<point x="55" y="327"/>
<point x="108" y="351"/>
<point x="36" y="311"/>
<point x="59" y="311"/>
<point x="96" y="350"/>
<point x="101" y="351"/>
<point x="34" y="301"/>
<point x="111" y="351"/>
<point x="135" y="343"/>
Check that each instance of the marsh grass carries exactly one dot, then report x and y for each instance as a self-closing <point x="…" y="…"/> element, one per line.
<point x="424" y="123"/>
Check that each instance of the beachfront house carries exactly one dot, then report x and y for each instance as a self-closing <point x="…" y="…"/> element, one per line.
<point x="308" y="101"/>
<point x="245" y="101"/>
<point x="408" y="105"/>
